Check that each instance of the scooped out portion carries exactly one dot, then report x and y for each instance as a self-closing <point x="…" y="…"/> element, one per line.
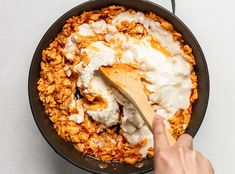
<point x="144" y="43"/>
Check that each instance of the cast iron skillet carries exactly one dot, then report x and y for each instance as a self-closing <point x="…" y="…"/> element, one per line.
<point x="65" y="149"/>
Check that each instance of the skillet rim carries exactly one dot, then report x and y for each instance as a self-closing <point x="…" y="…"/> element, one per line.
<point x="87" y="3"/>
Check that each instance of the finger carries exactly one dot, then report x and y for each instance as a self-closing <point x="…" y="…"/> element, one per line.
<point x="160" y="139"/>
<point x="186" y="141"/>
<point x="205" y="162"/>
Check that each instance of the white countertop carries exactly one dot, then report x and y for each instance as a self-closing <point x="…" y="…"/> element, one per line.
<point x="22" y="24"/>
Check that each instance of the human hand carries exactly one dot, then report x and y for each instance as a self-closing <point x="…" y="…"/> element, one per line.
<point x="179" y="158"/>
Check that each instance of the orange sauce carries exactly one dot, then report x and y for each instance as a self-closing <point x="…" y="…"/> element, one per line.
<point x="157" y="45"/>
<point x="97" y="103"/>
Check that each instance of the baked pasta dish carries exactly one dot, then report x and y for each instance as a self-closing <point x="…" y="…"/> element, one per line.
<point x="87" y="110"/>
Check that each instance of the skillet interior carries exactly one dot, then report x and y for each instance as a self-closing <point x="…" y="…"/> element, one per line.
<point x="65" y="149"/>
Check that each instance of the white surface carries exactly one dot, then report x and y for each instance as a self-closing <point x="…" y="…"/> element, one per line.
<point x="22" y="24"/>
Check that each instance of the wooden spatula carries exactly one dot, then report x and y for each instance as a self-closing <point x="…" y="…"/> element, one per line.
<point x="126" y="79"/>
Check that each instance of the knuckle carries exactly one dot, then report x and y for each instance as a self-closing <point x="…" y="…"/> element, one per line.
<point x="198" y="154"/>
<point x="180" y="150"/>
<point x="187" y="136"/>
<point x="159" y="133"/>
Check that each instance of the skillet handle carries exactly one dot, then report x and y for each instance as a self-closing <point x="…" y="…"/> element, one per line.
<point x="173" y="6"/>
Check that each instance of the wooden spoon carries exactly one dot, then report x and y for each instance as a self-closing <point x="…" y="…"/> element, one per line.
<point x="126" y="79"/>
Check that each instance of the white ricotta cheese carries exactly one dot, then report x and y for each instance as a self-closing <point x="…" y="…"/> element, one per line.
<point x="102" y="56"/>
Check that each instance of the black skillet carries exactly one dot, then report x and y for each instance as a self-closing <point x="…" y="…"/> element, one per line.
<point x="65" y="149"/>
